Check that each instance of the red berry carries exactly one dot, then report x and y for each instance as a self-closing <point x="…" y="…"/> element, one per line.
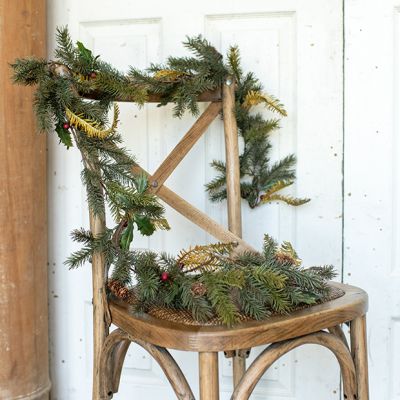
<point x="66" y="125"/>
<point x="93" y="75"/>
<point x="164" y="276"/>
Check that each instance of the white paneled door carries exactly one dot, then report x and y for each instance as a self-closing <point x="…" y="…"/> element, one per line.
<point x="295" y="47"/>
<point x="372" y="180"/>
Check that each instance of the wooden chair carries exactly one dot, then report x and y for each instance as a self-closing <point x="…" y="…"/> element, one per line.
<point x="319" y="324"/>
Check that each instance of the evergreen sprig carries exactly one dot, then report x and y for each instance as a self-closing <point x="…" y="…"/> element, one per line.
<point x="260" y="179"/>
<point x="182" y="79"/>
<point x="107" y="166"/>
<point x="249" y="284"/>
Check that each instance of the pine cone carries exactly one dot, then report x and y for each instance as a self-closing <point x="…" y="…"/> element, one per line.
<point x="118" y="289"/>
<point x="198" y="289"/>
<point x="284" y="258"/>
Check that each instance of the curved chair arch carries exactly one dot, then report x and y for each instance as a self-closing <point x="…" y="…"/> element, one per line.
<point x="276" y="350"/>
<point x="338" y="331"/>
<point x="112" y="358"/>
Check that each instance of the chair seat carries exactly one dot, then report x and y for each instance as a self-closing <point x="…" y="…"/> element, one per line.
<point x="179" y="336"/>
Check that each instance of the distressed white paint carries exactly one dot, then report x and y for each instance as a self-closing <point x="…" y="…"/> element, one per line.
<point x="372" y="173"/>
<point x="296" y="49"/>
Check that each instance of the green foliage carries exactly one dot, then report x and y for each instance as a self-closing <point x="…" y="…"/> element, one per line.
<point x="90" y="246"/>
<point x="181" y="79"/>
<point x="252" y="284"/>
<point x="107" y="166"/>
<point x="205" y="258"/>
<point x="64" y="136"/>
<point x="260" y="179"/>
<point x="127" y="236"/>
<point x="29" y="71"/>
<point x="209" y="281"/>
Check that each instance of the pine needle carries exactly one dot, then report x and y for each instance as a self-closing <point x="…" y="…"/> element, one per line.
<point x="254" y="98"/>
<point x="168" y="74"/>
<point x="287" y="253"/>
<point x="91" y="127"/>
<point x="291" y="201"/>
<point x="204" y="258"/>
<point x="234" y="62"/>
<point x="271" y="195"/>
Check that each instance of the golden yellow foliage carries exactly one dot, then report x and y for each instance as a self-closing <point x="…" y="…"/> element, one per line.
<point x="91" y="127"/>
<point x="254" y="98"/>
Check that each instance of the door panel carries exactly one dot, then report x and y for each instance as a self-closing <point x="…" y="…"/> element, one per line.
<point x="295" y="47"/>
<point x="372" y="180"/>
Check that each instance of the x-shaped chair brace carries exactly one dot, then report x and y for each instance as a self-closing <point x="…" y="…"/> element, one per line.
<point x="185" y="208"/>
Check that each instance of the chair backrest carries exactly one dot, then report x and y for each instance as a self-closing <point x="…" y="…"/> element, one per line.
<point x="222" y="100"/>
<point x="225" y="102"/>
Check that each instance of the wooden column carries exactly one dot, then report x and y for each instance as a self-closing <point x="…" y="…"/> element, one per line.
<point x="100" y="307"/>
<point x="209" y="380"/>
<point x="232" y="159"/>
<point x="23" y="242"/>
<point x="358" y="336"/>
<point x="233" y="188"/>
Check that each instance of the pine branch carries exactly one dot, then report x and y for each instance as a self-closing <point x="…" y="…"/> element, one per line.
<point x="219" y="296"/>
<point x="205" y="258"/>
<point x="29" y="71"/>
<point x="257" y="174"/>
<point x="292" y="201"/>
<point x="91" y="127"/>
<point x="254" y="98"/>
<point x="234" y="63"/>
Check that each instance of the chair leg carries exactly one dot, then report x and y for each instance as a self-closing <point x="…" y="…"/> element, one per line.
<point x="209" y="379"/>
<point x="360" y="355"/>
<point x="239" y="364"/>
<point x="239" y="368"/>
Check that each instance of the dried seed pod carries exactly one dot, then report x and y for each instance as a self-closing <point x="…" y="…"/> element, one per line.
<point x="198" y="289"/>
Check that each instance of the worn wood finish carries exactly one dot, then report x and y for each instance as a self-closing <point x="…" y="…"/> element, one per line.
<point x="196" y="216"/>
<point x="338" y="331"/>
<point x="109" y="363"/>
<point x="100" y="306"/>
<point x="358" y="336"/>
<point x="232" y="187"/>
<point x="118" y="358"/>
<point x="232" y="159"/>
<point x="201" y="219"/>
<point x="112" y="359"/>
<point x="212" y="96"/>
<point x="247" y="335"/>
<point x="184" y="146"/>
<point x="113" y="353"/>
<point x="277" y="350"/>
<point x="239" y="368"/>
<point x="24" y="372"/>
<point x="209" y="380"/>
<point x="170" y="368"/>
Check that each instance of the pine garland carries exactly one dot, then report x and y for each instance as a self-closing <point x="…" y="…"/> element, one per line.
<point x="206" y="280"/>
<point x="181" y="80"/>
<point x="107" y="166"/>
<point x="209" y="282"/>
<point x="260" y="180"/>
